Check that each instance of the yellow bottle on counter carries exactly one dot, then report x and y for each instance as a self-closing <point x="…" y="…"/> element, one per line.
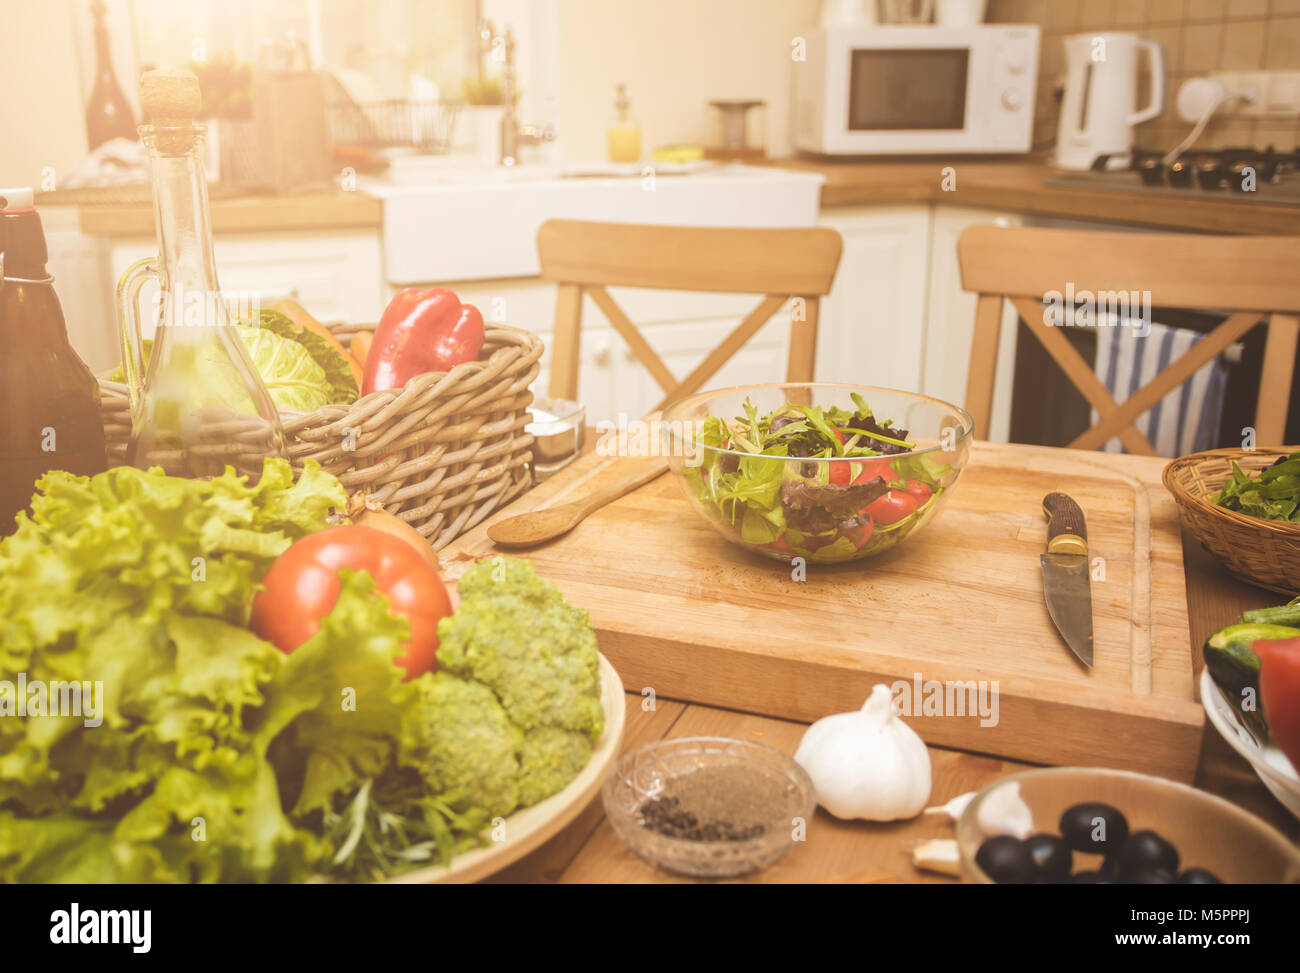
<point x="624" y="136"/>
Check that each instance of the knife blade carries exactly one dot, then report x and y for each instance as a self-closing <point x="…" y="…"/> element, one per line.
<point x="1067" y="584"/>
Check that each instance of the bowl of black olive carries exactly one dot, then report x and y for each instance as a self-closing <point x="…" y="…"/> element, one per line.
<point x="1091" y="826"/>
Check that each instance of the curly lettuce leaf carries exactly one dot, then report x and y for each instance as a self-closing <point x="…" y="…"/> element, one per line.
<point x="137" y="585"/>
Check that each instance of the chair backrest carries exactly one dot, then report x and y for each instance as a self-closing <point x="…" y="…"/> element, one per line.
<point x="586" y="258"/>
<point x="1257" y="278"/>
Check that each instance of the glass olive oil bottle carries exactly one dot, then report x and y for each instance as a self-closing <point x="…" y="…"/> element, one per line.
<point x="49" y="400"/>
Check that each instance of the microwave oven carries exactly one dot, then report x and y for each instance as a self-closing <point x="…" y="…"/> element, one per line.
<point x="915" y="90"/>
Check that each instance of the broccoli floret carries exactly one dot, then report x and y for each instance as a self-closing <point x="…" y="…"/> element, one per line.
<point x="464" y="744"/>
<point x="515" y="633"/>
<point x="550" y="758"/>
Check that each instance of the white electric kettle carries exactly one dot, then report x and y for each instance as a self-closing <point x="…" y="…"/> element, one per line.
<point x="1098" y="113"/>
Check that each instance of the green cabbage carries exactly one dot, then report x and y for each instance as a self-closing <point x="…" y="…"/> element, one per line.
<point x="290" y="374"/>
<point x="292" y="377"/>
<point x="343" y="388"/>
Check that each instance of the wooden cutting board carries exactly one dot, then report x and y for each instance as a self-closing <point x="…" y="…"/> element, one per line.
<point x="956" y="612"/>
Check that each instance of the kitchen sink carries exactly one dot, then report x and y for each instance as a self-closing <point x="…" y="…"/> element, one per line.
<point x="448" y="223"/>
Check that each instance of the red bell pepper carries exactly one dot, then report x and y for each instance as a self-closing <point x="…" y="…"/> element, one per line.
<point x="421" y="331"/>
<point x="1279" y="691"/>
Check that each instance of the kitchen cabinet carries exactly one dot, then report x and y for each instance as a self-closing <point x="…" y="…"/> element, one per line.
<point x="336" y="274"/>
<point x="950" y="319"/>
<point x="872" y="324"/>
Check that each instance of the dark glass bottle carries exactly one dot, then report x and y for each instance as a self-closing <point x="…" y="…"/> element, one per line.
<point x="108" y="116"/>
<point x="48" y="397"/>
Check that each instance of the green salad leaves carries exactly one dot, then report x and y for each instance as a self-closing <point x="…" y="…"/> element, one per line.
<point x="1272" y="495"/>
<point x="827" y="508"/>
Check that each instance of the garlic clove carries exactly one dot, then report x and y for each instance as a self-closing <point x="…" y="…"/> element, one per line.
<point x="938" y="855"/>
<point x="954" y="808"/>
<point x="1004" y="811"/>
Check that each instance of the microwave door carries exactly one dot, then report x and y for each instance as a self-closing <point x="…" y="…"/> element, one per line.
<point x="908" y="90"/>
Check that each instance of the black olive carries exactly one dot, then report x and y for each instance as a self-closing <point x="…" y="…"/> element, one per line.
<point x="1199" y="876"/>
<point x="1145" y="850"/>
<point x="1006" y="860"/>
<point x="1093" y="827"/>
<point x="1088" y="878"/>
<point x="1150" y="876"/>
<point x="1051" y="855"/>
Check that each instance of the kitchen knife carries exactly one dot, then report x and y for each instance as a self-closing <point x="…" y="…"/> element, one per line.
<point x="1067" y="585"/>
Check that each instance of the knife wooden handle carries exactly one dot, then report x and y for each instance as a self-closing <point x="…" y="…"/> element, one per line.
<point x="1067" y="531"/>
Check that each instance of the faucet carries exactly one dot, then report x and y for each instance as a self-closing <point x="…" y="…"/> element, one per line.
<point x="513" y="134"/>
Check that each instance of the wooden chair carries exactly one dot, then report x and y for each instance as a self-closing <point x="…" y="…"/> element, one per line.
<point x="586" y="258"/>
<point x="1257" y="278"/>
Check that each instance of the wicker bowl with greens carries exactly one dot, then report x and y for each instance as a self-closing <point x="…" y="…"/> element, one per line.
<point x="824" y="472"/>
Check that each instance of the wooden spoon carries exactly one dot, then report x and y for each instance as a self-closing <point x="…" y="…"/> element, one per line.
<point x="539" y="526"/>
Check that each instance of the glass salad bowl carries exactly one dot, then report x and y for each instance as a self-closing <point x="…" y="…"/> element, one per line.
<point x="826" y="472"/>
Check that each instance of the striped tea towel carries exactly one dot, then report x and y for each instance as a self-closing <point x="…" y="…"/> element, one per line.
<point x="1184" y="421"/>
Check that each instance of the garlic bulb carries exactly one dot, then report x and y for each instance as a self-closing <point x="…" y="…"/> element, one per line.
<point x="868" y="763"/>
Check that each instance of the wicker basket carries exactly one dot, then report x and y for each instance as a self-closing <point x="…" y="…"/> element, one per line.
<point x="441" y="453"/>
<point x="1263" y="552"/>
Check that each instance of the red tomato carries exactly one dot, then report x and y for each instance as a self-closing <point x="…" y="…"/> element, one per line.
<point x="873" y="468"/>
<point x="303" y="585"/>
<point x="840" y="473"/>
<point x="894" y="506"/>
<point x="1279" y="691"/>
<point x="920" y="491"/>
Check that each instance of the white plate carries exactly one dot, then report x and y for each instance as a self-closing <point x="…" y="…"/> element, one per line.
<point x="1269" y="762"/>
<point x="528" y="828"/>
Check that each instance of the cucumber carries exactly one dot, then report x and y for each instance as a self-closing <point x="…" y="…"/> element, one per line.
<point x="1234" y="667"/>
<point x="1288" y="614"/>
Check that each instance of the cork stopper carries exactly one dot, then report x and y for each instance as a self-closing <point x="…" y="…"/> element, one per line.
<point x="170" y="98"/>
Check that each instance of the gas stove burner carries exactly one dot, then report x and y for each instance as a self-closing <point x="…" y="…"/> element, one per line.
<point x="1221" y="169"/>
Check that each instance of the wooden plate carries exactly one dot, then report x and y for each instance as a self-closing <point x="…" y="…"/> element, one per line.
<point x="530" y="827"/>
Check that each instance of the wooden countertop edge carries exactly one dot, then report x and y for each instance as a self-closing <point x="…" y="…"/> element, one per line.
<point x="1095" y="205"/>
<point x="1012" y="185"/>
<point x="1020" y="185"/>
<point x="245" y="214"/>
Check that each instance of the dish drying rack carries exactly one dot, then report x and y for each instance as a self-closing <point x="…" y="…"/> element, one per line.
<point x="427" y="126"/>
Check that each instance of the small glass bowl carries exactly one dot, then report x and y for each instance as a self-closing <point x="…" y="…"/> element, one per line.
<point x="557" y="429"/>
<point x="642" y="774"/>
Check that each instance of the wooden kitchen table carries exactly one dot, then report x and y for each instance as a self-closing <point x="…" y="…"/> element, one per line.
<point x="589" y="851"/>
